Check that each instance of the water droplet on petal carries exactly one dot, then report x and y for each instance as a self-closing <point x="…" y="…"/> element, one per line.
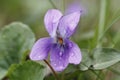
<point x="60" y="53"/>
<point x="38" y="56"/>
<point x="55" y="64"/>
<point x="61" y="67"/>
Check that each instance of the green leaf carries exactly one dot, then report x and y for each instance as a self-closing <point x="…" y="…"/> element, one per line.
<point x="15" y="39"/>
<point x="101" y="58"/>
<point x="49" y="77"/>
<point x="71" y="68"/>
<point x="2" y="73"/>
<point x="27" y="71"/>
<point x="105" y="57"/>
<point x="86" y="60"/>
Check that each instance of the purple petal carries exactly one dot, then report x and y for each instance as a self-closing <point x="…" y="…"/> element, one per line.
<point x="59" y="58"/>
<point x="51" y="21"/>
<point x="75" y="56"/>
<point x="40" y="49"/>
<point x="68" y="24"/>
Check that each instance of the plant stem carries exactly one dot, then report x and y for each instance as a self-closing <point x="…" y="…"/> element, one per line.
<point x="52" y="4"/>
<point x="109" y="26"/>
<point x="62" y="77"/>
<point x="64" y="3"/>
<point x="98" y="76"/>
<point x="102" y="19"/>
<point x="51" y="69"/>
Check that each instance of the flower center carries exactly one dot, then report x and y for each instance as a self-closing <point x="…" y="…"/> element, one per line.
<point x="60" y="40"/>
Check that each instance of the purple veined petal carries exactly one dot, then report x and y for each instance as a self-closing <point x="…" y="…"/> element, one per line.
<point x="59" y="58"/>
<point x="68" y="23"/>
<point x="51" y="21"/>
<point x="75" y="55"/>
<point x="41" y="49"/>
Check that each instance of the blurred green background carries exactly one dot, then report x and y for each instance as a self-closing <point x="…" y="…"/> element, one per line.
<point x="31" y="12"/>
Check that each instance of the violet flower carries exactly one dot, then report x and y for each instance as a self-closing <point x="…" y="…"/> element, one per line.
<point x="62" y="50"/>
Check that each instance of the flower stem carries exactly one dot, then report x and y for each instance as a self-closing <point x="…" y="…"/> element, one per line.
<point x="102" y="18"/>
<point x="51" y="69"/>
<point x="62" y="77"/>
<point x="98" y="76"/>
<point x="64" y="5"/>
<point x="53" y="4"/>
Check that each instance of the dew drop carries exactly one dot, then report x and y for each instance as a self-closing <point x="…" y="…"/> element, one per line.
<point x="39" y="56"/>
<point x="60" y="53"/>
<point x="61" y="67"/>
<point x="55" y="64"/>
